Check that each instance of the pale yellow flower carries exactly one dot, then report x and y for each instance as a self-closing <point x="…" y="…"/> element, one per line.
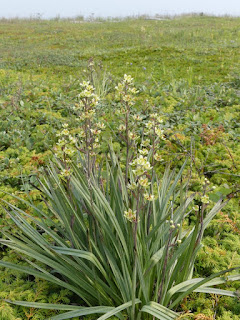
<point x="146" y="143"/>
<point x="101" y="125"/>
<point x="142" y="165"/>
<point x="149" y="124"/>
<point x="133" y="136"/>
<point x="127" y="79"/>
<point x="132" y="186"/>
<point x="154" y="115"/>
<point x="159" y="133"/>
<point x="144" y="152"/>
<point x="85" y="94"/>
<point x="81" y="133"/>
<point x="158" y="156"/>
<point x="120" y="87"/>
<point x="147" y="166"/>
<point x="159" y="119"/>
<point x="133" y="90"/>
<point x="96" y="145"/>
<point x="149" y="197"/>
<point x="144" y="182"/>
<point x="122" y="127"/>
<point x="88" y="114"/>
<point x="72" y="139"/>
<point x="130" y="215"/>
<point x="61" y="142"/>
<point x="205" y="199"/>
<point x="85" y="84"/>
<point x="65" y="132"/>
<point x="95" y="131"/>
<point x="137" y="117"/>
<point x="65" y="173"/>
<point x="70" y="152"/>
<point x="128" y="98"/>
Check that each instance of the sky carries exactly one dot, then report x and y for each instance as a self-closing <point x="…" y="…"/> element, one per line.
<point x="114" y="8"/>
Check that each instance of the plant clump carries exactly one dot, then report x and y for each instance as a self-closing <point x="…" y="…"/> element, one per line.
<point x="115" y="232"/>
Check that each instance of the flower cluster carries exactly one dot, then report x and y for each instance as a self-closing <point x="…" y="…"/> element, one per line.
<point x="128" y="129"/>
<point x="154" y="124"/>
<point x="149" y="197"/>
<point x="130" y="215"/>
<point x="65" y="173"/>
<point x="65" y="149"/>
<point x="157" y="156"/>
<point x="173" y="225"/>
<point x="90" y="132"/>
<point x="126" y="91"/>
<point x="153" y="137"/>
<point x="141" y="165"/>
<point x="88" y="96"/>
<point x="205" y="199"/>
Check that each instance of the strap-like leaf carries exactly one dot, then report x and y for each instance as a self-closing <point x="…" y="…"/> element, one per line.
<point x="39" y="305"/>
<point x="81" y="312"/>
<point x="218" y="291"/>
<point x="159" y="311"/>
<point x="205" y="287"/>
<point x="198" y="285"/>
<point x="81" y="254"/>
<point x="118" y="309"/>
<point x="46" y="276"/>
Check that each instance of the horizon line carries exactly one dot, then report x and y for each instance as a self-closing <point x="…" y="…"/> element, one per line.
<point x="92" y="16"/>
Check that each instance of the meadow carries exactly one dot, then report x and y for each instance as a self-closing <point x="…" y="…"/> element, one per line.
<point x="186" y="71"/>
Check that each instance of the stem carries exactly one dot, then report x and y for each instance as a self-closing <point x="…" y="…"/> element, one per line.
<point x="87" y="140"/>
<point x="164" y="267"/>
<point x="127" y="141"/>
<point x="134" y="288"/>
<point x="198" y="240"/>
<point x="135" y="258"/>
<point x="191" y="165"/>
<point x="153" y="163"/>
<point x="153" y="148"/>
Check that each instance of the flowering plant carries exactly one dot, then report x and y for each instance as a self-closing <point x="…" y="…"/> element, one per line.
<point x="119" y="240"/>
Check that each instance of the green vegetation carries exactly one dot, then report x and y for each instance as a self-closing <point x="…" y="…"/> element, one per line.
<point x="185" y="70"/>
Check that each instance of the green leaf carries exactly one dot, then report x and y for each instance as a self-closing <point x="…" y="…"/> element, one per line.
<point x="118" y="309"/>
<point x="197" y="285"/>
<point x="40" y="305"/>
<point x="159" y="311"/>
<point x="82" y="254"/>
<point x="81" y="312"/>
<point x="218" y="291"/>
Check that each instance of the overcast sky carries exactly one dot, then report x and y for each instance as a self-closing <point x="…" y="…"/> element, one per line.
<point x="69" y="8"/>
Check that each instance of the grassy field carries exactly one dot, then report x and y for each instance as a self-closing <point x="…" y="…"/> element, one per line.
<point x="189" y="66"/>
<point x="200" y="49"/>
